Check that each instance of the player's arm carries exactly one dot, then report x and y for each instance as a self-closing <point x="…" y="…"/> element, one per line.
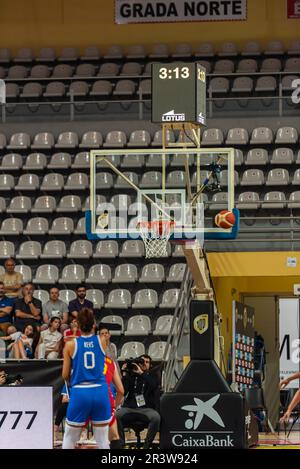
<point x="286" y="381"/>
<point x="119" y="387"/>
<point x="295" y="401"/>
<point x="68" y="353"/>
<point x="5" y="311"/>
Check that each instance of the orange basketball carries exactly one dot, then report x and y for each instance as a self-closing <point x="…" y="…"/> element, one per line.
<point x="225" y="219"/>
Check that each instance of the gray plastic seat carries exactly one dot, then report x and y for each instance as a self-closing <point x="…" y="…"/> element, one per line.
<point x="157" y="351"/>
<point x="91" y="53"/>
<point x="261" y="135"/>
<point x="67" y="295"/>
<point x="46" y="274"/>
<point x="67" y="140"/>
<point x="91" y="139"/>
<point x="77" y="182"/>
<point x="62" y="226"/>
<point x="104" y="180"/>
<point x="114" y="51"/>
<point x="122" y="184"/>
<point x="115" y="320"/>
<point x="257" y="156"/>
<point x="253" y="177"/>
<point x="60" y="161"/>
<point x="274" y="48"/>
<point x="133" y="161"/>
<point x="278" y="177"/>
<point x="7" y="182"/>
<point x="106" y="249"/>
<point x="108" y="69"/>
<point x="205" y="49"/>
<point x="12" y="90"/>
<point x="176" y="179"/>
<point x="288" y="82"/>
<point x="78" y="88"/>
<point x="32" y="90"/>
<point x="152" y="273"/>
<point x="29" y="250"/>
<point x="62" y="71"/>
<point x="163" y="325"/>
<point x="170" y="298"/>
<point x="224" y="178"/>
<point x="292" y="65"/>
<point x="121" y="202"/>
<point x="237" y="136"/>
<point x="55" y="89"/>
<point x="2" y="141"/>
<point x="224" y="66"/>
<point x="7" y="249"/>
<point x="69" y="203"/>
<point x="139" y="325"/>
<point x="296" y="178"/>
<point x="294" y="48"/>
<point x="145" y="87"/>
<point x="85" y="71"/>
<point x="80" y="249"/>
<point x="207" y="65"/>
<point x="54" y="249"/>
<point x="219" y="85"/>
<point x="17" y="72"/>
<point x="2" y="205"/>
<point x="41" y="295"/>
<point x="151" y="179"/>
<point x="286" y="135"/>
<point x="146" y="298"/>
<point x="44" y="204"/>
<point x="80" y="227"/>
<point x="176" y="273"/>
<point x="242" y="85"/>
<point x="81" y="161"/>
<point x="294" y="200"/>
<point x="19" y="141"/>
<point x="131" y="350"/>
<point x="46" y="54"/>
<point x="5" y="56"/>
<point x="238" y="157"/>
<point x="11" y="162"/>
<point x="159" y="51"/>
<point x="131" y="68"/>
<point x="100" y="201"/>
<point x="179" y="160"/>
<point x="266" y="84"/>
<point x="157" y="139"/>
<point x="96" y="297"/>
<point x="119" y="299"/>
<point x="68" y="54"/>
<point x="182" y="50"/>
<point x="247" y="66"/>
<point x="270" y="65"/>
<point x="219" y="201"/>
<point x="274" y="200"/>
<point x="228" y="49"/>
<point x="11" y="227"/>
<point x="115" y="139"/>
<point x="212" y="137"/>
<point x="35" y="162"/>
<point x="139" y="138"/>
<point x="28" y="182"/>
<point x="72" y="274"/>
<point x="39" y="71"/>
<point x="282" y="156"/>
<point x="298" y="157"/>
<point x="36" y="226"/>
<point x="25" y="271"/>
<point x="52" y="182"/>
<point x="124" y="88"/>
<point x="178" y="252"/>
<point x="101" y="88"/>
<point x="125" y="273"/>
<point x="43" y="141"/>
<point x="133" y="248"/>
<point x="99" y="274"/>
<point x="19" y="204"/>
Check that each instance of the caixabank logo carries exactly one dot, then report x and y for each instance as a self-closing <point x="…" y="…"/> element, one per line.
<point x="194" y="434"/>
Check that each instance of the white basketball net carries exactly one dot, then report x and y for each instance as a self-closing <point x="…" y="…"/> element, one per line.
<point x="156" y="235"/>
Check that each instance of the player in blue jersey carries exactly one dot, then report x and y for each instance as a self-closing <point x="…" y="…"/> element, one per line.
<point x="84" y="366"/>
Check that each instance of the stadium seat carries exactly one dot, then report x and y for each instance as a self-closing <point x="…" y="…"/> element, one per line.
<point x="288" y="82"/>
<point x="224" y="66"/>
<point x="72" y="274"/>
<point x="176" y="273"/>
<point x="278" y="177"/>
<point x="292" y="65"/>
<point x="205" y="49"/>
<point x="80" y="249"/>
<point x="29" y="250"/>
<point x="261" y="135"/>
<point x="11" y="162"/>
<point x="108" y="69"/>
<point x="54" y="249"/>
<point x="55" y="89"/>
<point x="32" y="90"/>
<point x="163" y="325"/>
<point x="175" y="179"/>
<point x="39" y="71"/>
<point x="132" y="249"/>
<point x="159" y="51"/>
<point x="44" y="204"/>
<point x="131" y="68"/>
<point x="151" y="180"/>
<point x="43" y="141"/>
<point x="170" y="298"/>
<point x="104" y="180"/>
<point x="7" y="249"/>
<point x="99" y="274"/>
<point x="274" y="48"/>
<point x="46" y="274"/>
<point x="96" y="297"/>
<point x="12" y="90"/>
<point x="219" y="85"/>
<point x="67" y="140"/>
<point x="114" y="51"/>
<point x="294" y="200"/>
<point x="91" y="139"/>
<point x="219" y="201"/>
<point x="37" y="226"/>
<point x="62" y="71"/>
<point x="247" y="66"/>
<point x="253" y="177"/>
<point x="19" y="204"/>
<point x="125" y="273"/>
<point x="242" y="85"/>
<point x="85" y="71"/>
<point x="131" y="350"/>
<point x="133" y="161"/>
<point x="139" y="138"/>
<point x="224" y="178"/>
<point x="124" y="88"/>
<point x="25" y="271"/>
<point x="106" y="249"/>
<point x="69" y="203"/>
<point x="119" y="299"/>
<point x="122" y="184"/>
<point x="257" y="156"/>
<point x="115" y="139"/>
<point x="68" y="54"/>
<point x="19" y="141"/>
<point x="100" y="201"/>
<point x="78" y="89"/>
<point x="41" y="295"/>
<point x="282" y="156"/>
<point x="228" y="49"/>
<point x="139" y="325"/>
<point x="67" y="295"/>
<point x="46" y="54"/>
<point x="212" y="137"/>
<point x="157" y="139"/>
<point x="145" y="298"/>
<point x="182" y="50"/>
<point x="298" y="157"/>
<point x="207" y="65"/>
<point x="60" y="161"/>
<point x="28" y="182"/>
<point x="145" y="87"/>
<point x="62" y="226"/>
<point x="52" y="182"/>
<point x="2" y="205"/>
<point x="274" y="200"/>
<point x="157" y="351"/>
<point x="5" y="57"/>
<point x="17" y="72"/>
<point x="237" y="136"/>
<point x="294" y="49"/>
<point x="152" y="273"/>
<point x="91" y="53"/>
<point x="114" y="320"/>
<point x="11" y="227"/>
<point x="178" y="252"/>
<point x="77" y="182"/>
<point x="287" y="135"/>
<point x="271" y="65"/>
<point x="35" y="162"/>
<point x="80" y="227"/>
<point x="238" y="157"/>
<point x="81" y="161"/>
<point x="296" y="178"/>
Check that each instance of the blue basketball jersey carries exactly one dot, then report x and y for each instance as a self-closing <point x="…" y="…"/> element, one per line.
<point x="88" y="361"/>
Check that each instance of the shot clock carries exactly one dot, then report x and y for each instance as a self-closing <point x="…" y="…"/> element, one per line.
<point x="178" y="93"/>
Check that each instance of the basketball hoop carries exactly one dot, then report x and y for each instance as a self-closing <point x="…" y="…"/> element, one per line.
<point x="156" y="235"/>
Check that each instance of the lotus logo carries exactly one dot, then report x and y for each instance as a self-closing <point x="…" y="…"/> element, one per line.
<point x="171" y="116"/>
<point x="197" y="412"/>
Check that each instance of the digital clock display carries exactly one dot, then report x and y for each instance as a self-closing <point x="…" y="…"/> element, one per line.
<point x="176" y="73"/>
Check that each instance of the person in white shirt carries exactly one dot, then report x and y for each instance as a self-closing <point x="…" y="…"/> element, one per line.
<point x="50" y="343"/>
<point x="22" y="345"/>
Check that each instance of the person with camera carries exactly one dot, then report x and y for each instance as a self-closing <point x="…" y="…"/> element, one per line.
<point x="141" y="390"/>
<point x="7" y="380"/>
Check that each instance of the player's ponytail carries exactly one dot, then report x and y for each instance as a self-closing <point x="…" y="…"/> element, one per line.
<point x="86" y="320"/>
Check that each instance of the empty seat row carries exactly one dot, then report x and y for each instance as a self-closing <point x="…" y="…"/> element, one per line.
<point x="246" y="85"/>
<point x="140" y="325"/>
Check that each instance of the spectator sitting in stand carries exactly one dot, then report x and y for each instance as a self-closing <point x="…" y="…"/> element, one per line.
<point x="73" y="332"/>
<point x="50" y="343"/>
<point x="55" y="308"/>
<point x="22" y="344"/>
<point x="12" y="280"/>
<point x="80" y="302"/>
<point x="6" y="307"/>
<point x="28" y="309"/>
